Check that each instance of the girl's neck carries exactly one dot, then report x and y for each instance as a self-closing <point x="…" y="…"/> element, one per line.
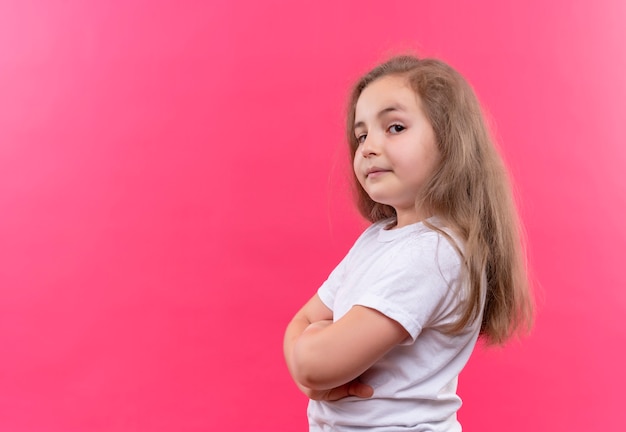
<point x="408" y="217"/>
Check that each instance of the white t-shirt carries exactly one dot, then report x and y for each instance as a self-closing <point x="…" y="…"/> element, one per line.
<point x="413" y="275"/>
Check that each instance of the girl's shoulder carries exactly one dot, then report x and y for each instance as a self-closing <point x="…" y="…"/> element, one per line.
<point x="432" y="242"/>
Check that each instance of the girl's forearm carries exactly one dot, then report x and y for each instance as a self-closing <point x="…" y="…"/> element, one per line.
<point x="327" y="355"/>
<point x="312" y="317"/>
<point x="295" y="329"/>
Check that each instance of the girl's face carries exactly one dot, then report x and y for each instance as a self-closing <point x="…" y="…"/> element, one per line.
<point x="397" y="151"/>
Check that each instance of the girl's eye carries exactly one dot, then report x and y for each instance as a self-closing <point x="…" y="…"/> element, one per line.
<point x="361" y="138"/>
<point x="396" y="128"/>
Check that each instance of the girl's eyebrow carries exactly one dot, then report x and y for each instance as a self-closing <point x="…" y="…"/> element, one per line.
<point x="382" y="113"/>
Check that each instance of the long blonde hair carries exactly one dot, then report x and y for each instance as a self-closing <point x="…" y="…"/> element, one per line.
<point x="469" y="190"/>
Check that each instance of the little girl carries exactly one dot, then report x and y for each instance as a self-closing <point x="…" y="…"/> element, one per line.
<point x="381" y="344"/>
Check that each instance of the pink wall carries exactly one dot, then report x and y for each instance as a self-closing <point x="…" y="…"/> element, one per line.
<point x="172" y="189"/>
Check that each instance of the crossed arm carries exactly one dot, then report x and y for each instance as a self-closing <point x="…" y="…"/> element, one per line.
<point x="325" y="359"/>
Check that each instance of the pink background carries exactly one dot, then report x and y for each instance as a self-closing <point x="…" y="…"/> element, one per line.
<point x="172" y="188"/>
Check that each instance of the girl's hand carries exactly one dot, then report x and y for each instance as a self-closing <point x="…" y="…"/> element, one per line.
<point x="353" y="388"/>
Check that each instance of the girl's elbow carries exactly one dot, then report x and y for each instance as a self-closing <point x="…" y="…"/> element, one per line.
<point x="311" y="381"/>
<point x="309" y="371"/>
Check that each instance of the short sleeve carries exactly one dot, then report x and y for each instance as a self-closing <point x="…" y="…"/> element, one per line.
<point x="418" y="284"/>
<point x="328" y="290"/>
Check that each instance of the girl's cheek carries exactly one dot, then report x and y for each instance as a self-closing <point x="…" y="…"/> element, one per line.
<point x="355" y="165"/>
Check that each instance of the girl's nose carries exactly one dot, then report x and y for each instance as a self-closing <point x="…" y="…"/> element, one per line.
<point x="369" y="147"/>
